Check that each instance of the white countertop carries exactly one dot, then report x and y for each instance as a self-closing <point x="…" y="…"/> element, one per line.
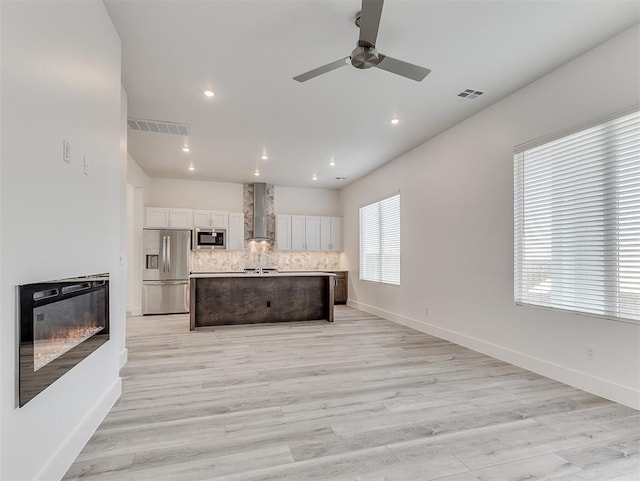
<point x="201" y="275"/>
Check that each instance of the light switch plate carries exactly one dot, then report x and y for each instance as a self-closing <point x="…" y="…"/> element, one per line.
<point x="66" y="151"/>
<point x="85" y="165"/>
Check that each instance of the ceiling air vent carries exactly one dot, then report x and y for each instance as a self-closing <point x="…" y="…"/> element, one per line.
<point x="468" y="95"/>
<point x="158" y="126"/>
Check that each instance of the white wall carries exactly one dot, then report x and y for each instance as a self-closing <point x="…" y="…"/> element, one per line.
<point x="120" y="281"/>
<point x="302" y="201"/>
<point x="135" y="175"/>
<point x="137" y="187"/>
<point x="457" y="231"/>
<point x="193" y="194"/>
<point x="60" y="80"/>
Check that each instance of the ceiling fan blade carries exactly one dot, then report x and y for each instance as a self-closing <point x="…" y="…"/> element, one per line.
<point x="320" y="70"/>
<point x="399" y="67"/>
<point x="369" y="22"/>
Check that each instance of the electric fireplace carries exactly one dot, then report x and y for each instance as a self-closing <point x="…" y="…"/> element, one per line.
<point x="61" y="323"/>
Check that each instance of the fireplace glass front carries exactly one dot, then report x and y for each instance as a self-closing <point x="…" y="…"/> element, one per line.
<point x="61" y="323"/>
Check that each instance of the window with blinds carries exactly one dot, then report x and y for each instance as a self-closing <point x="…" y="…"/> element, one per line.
<point x="577" y="220"/>
<point x="380" y="241"/>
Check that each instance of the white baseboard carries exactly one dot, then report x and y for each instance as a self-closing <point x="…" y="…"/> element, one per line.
<point x="66" y="454"/>
<point x="581" y="380"/>
<point x="124" y="357"/>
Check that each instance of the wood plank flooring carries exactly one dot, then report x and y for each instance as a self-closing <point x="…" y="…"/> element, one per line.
<point x="362" y="399"/>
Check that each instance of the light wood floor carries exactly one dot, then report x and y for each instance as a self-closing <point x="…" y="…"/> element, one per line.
<point x="362" y="399"/>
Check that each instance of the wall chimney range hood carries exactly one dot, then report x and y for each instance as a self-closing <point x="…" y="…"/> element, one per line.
<point x="260" y="205"/>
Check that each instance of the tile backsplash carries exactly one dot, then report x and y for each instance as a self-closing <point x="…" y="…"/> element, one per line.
<point x="227" y="261"/>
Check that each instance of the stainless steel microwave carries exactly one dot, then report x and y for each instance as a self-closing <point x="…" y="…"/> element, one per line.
<point x="209" y="239"/>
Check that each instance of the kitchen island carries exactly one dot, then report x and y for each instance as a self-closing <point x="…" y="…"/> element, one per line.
<point x="222" y="298"/>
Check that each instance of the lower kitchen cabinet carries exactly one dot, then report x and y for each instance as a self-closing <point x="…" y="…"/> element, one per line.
<point x="341" y="289"/>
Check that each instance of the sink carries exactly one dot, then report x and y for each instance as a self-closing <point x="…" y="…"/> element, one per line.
<point x="264" y="270"/>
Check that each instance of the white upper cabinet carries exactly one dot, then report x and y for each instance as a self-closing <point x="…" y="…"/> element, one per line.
<point x="235" y="231"/>
<point x="297" y="233"/>
<point x="325" y="233"/>
<point x="336" y="234"/>
<point x="283" y="232"/>
<point x="181" y="218"/>
<point x="331" y="233"/>
<point x="219" y="219"/>
<point x="163" y="217"/>
<point x="308" y="233"/>
<point x="312" y="233"/>
<point x="156" y="217"/>
<point x="293" y="232"/>
<point x="201" y="218"/>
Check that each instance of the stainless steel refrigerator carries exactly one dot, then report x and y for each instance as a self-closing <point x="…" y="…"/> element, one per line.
<point x="165" y="276"/>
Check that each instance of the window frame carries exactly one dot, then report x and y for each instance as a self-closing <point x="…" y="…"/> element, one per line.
<point x="395" y="225"/>
<point x="519" y="212"/>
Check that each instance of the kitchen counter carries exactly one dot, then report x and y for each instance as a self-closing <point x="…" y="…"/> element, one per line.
<point x="201" y="275"/>
<point x="220" y="298"/>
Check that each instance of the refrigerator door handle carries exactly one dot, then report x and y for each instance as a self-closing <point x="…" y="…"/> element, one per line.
<point x="168" y="253"/>
<point x="164" y="253"/>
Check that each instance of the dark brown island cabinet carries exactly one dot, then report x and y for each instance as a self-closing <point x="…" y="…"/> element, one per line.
<point x="235" y="298"/>
<point x="341" y="289"/>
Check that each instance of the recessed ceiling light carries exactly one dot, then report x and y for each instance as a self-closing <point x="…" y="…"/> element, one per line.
<point x="191" y="167"/>
<point x="315" y="177"/>
<point x="209" y="93"/>
<point x="257" y="173"/>
<point x="395" y="121"/>
<point x="332" y="162"/>
<point x="264" y="157"/>
<point x="185" y="149"/>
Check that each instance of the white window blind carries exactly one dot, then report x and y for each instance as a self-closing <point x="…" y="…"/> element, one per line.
<point x="577" y="221"/>
<point x="380" y="241"/>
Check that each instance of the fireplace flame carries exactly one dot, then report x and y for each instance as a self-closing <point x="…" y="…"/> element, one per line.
<point x="51" y="348"/>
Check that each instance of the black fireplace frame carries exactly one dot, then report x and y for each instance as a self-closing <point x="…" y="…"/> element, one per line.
<point x="32" y="296"/>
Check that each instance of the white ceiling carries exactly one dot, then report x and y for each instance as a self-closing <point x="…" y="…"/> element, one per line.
<point x="248" y="51"/>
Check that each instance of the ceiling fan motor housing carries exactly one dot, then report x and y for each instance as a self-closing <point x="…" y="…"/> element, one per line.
<point x="364" y="57"/>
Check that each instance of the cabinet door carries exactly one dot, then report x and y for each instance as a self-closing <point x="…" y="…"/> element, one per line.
<point x="283" y="232"/>
<point x="219" y="219"/>
<point x="156" y="217"/>
<point x="335" y="243"/>
<point x="312" y="233"/>
<point x="297" y="232"/>
<point x="340" y="294"/>
<point x="181" y="218"/>
<point x="235" y="231"/>
<point x="201" y="218"/>
<point x="325" y="233"/>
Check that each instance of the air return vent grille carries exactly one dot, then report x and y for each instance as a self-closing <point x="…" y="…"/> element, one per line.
<point x="158" y="126"/>
<point x="468" y="95"/>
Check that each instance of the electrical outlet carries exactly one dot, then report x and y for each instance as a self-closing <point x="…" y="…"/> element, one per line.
<point x="85" y="165"/>
<point x="590" y="353"/>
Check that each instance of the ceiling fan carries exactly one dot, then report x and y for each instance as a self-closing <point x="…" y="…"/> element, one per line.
<point x="365" y="54"/>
